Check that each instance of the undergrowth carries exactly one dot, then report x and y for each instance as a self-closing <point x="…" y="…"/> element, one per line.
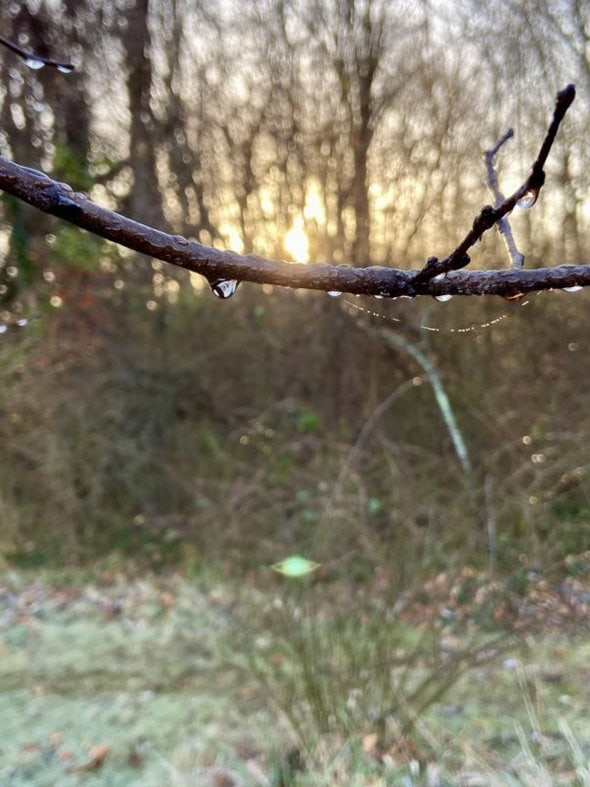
<point x="279" y="426"/>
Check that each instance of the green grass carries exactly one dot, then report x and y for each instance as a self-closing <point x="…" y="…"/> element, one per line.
<point x="157" y="670"/>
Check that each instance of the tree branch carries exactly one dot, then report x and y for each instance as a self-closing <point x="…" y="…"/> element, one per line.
<point x="36" y="61"/>
<point x="503" y="224"/>
<point x="58" y="199"/>
<point x="526" y="194"/>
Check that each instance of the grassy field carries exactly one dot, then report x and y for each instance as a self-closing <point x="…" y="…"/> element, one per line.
<point x="111" y="679"/>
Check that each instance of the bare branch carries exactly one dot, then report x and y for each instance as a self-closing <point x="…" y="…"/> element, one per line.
<point x="503" y="224"/>
<point x="58" y="199"/>
<point x="36" y="61"/>
<point x="528" y="192"/>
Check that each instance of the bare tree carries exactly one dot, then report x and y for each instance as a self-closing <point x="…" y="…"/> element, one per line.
<point x="355" y="40"/>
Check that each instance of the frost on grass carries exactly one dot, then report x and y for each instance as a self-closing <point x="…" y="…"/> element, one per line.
<point x="138" y="667"/>
<point x="144" y="673"/>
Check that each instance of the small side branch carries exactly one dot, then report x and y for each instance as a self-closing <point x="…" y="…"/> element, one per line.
<point x="503" y="224"/>
<point x="489" y="216"/>
<point x="34" y="60"/>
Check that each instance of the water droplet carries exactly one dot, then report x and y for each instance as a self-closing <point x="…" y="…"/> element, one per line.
<point x="528" y="199"/>
<point x="224" y="288"/>
<point x="379" y="297"/>
<point x="575" y="288"/>
<point x="334" y="293"/>
<point x="3" y="328"/>
<point x="34" y="63"/>
<point x="441" y="298"/>
<point x="65" y="68"/>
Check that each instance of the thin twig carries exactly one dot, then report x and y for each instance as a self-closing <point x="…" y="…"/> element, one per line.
<point x="58" y="199"/>
<point x="33" y="57"/>
<point x="503" y="224"/>
<point x="489" y="215"/>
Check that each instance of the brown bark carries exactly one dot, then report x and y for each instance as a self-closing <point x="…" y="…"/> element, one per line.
<point x="47" y="195"/>
<point x="145" y="199"/>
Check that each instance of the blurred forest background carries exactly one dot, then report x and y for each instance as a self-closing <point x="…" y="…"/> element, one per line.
<point x="143" y="418"/>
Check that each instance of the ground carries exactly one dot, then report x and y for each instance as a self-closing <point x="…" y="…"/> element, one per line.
<point x="116" y="679"/>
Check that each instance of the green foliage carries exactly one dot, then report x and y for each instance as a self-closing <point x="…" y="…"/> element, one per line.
<point x="20" y="243"/>
<point x="520" y="581"/>
<point x="76" y="248"/>
<point x="308" y="421"/>
<point x="68" y="166"/>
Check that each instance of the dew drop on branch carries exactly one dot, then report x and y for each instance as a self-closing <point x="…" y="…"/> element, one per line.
<point x="34" y="63"/>
<point x="575" y="288"/>
<point x="443" y="298"/>
<point x="334" y="293"/>
<point x="528" y="199"/>
<point x="224" y="288"/>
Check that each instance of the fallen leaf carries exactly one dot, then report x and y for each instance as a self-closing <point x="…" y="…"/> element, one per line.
<point x="55" y="740"/>
<point x="31" y="746"/>
<point x="167" y="599"/>
<point x="135" y="757"/>
<point x="369" y="743"/>
<point x="97" y="756"/>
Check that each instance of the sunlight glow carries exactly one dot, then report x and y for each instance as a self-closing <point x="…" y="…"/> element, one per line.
<point x="296" y="242"/>
<point x="315" y="209"/>
<point x="231" y="237"/>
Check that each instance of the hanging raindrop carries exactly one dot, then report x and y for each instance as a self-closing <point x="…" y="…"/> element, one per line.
<point x="224" y="288"/>
<point x="65" y="68"/>
<point x="575" y="288"/>
<point x="528" y="199"/>
<point x="34" y="63"/>
<point x="334" y="293"/>
<point x="441" y="298"/>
